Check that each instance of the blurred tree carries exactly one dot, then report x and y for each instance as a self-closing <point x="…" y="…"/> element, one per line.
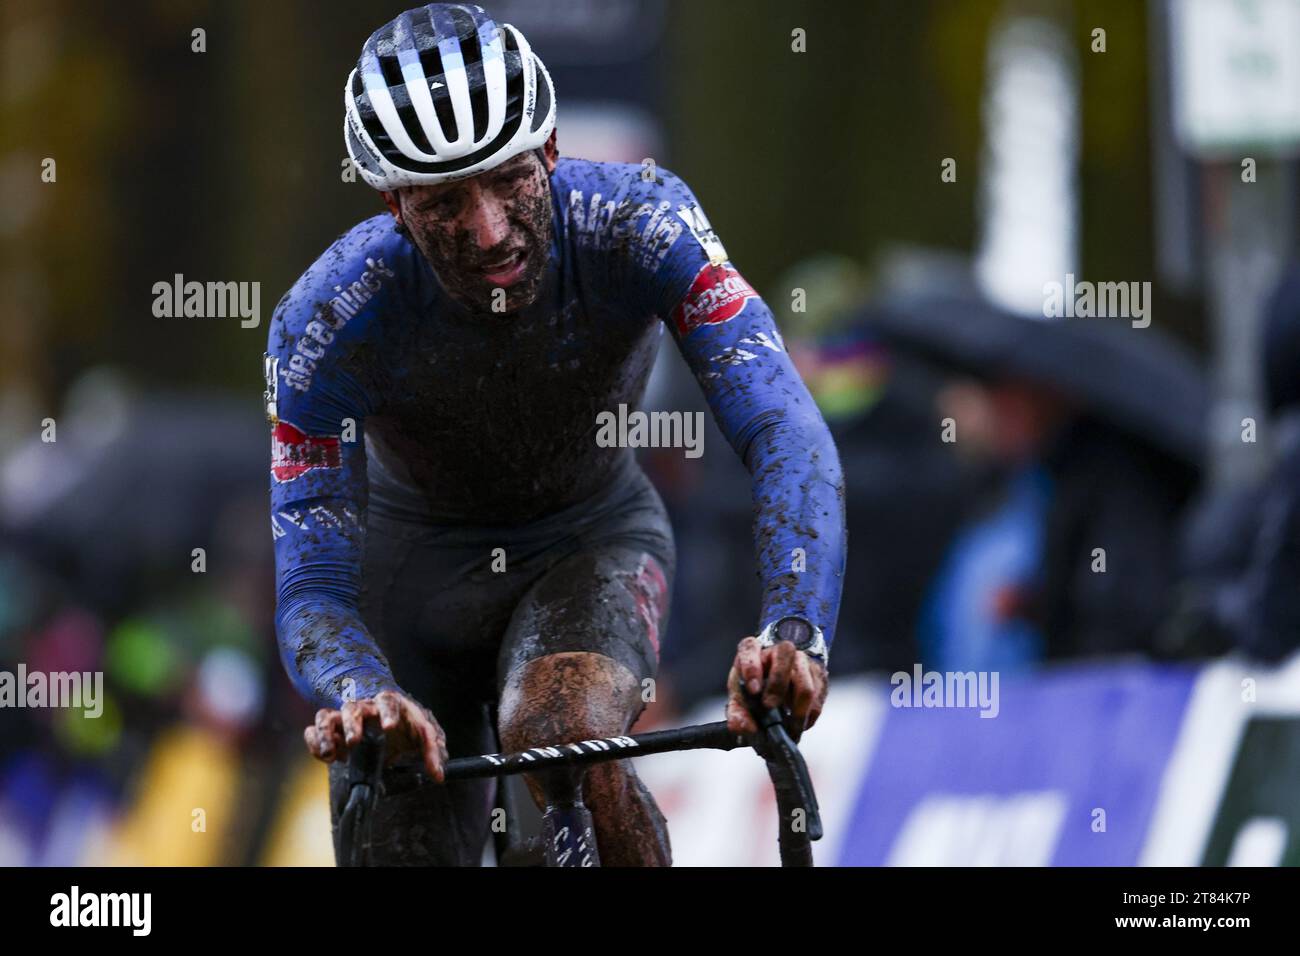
<point x="834" y="149"/>
<point x="226" y="164"/>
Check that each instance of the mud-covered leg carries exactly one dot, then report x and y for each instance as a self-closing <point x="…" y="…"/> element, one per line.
<point x="574" y="666"/>
<point x="582" y="696"/>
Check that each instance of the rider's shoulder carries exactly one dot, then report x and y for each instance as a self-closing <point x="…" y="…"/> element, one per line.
<point x="371" y="259"/>
<point x="583" y="180"/>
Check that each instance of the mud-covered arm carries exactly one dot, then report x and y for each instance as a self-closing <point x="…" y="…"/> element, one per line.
<point x="729" y="338"/>
<point x="318" y="485"/>
<point x="767" y="415"/>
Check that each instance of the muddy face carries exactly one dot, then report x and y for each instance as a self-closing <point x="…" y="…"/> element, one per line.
<point x="483" y="234"/>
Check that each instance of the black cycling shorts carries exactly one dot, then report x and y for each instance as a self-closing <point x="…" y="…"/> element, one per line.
<point x="456" y="610"/>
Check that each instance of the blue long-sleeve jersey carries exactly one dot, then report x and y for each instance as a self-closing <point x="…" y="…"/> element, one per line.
<point x="380" y="384"/>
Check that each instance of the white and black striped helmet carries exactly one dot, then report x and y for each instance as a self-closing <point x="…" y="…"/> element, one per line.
<point x="442" y="93"/>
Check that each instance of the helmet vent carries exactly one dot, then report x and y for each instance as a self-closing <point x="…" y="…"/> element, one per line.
<point x="392" y="72"/>
<point x="543" y="102"/>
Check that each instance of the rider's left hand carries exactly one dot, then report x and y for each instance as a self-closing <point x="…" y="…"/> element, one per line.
<point x="785" y="677"/>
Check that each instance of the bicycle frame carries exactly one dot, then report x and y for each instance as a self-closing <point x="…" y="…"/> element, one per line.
<point x="568" y="838"/>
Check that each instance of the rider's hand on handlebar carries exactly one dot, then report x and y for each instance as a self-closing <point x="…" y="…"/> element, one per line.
<point x="407" y="726"/>
<point x="784" y="677"/>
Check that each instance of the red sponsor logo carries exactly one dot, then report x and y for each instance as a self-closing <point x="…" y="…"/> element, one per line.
<point x="650" y="589"/>
<point x="294" y="453"/>
<point x="717" y="295"/>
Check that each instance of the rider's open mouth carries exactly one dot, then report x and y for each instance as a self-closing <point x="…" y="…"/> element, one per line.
<point x="507" y="271"/>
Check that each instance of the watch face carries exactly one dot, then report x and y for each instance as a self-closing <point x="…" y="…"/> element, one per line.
<point x="796" y="631"/>
<point x="803" y="635"/>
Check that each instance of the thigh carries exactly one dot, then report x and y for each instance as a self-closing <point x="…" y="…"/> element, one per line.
<point x="434" y="605"/>
<point x="609" y="599"/>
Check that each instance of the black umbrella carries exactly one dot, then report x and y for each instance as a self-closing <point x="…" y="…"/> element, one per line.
<point x="131" y="492"/>
<point x="1137" y="379"/>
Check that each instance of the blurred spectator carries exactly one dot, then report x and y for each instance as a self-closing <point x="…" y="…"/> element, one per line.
<point x="906" y="495"/>
<point x="98" y="573"/>
<point x="1092" y="431"/>
<point x="1242" y="552"/>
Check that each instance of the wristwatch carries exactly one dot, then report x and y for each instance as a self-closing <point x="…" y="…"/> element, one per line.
<point x="803" y="635"/>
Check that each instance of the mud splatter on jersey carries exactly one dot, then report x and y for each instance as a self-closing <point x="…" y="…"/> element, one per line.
<point x="385" y="388"/>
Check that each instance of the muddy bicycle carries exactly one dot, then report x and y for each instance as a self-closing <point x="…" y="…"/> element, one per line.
<point x="567" y="837"/>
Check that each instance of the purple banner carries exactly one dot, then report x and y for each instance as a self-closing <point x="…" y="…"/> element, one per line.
<point x="1066" y="773"/>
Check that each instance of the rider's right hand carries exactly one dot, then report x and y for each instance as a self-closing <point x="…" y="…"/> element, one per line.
<point x="407" y="726"/>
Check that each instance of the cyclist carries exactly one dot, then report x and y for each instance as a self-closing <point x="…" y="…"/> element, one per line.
<point x="450" y="536"/>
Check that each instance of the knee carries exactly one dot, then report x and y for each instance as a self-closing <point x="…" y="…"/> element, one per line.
<point x="568" y="697"/>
